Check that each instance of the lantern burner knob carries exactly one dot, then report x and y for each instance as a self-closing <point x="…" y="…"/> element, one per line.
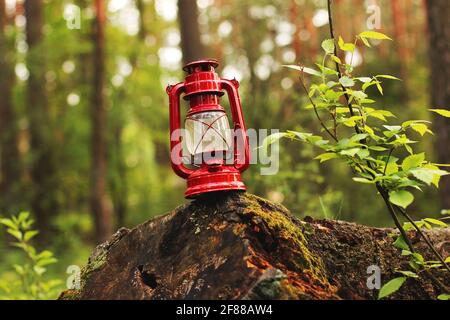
<point x="201" y="66"/>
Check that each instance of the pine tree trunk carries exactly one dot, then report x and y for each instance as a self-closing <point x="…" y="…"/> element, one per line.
<point x="99" y="200"/>
<point x="44" y="201"/>
<point x="439" y="51"/>
<point x="9" y="155"/>
<point x="191" y="44"/>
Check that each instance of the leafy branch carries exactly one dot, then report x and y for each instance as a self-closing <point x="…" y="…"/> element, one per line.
<point x="31" y="284"/>
<point x="341" y="100"/>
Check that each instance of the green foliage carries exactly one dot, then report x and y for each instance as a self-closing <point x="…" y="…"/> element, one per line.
<point x="417" y="263"/>
<point x="27" y="281"/>
<point x="370" y="151"/>
<point x="391" y="287"/>
<point x="401" y="198"/>
<point x="442" y="112"/>
<point x="359" y="134"/>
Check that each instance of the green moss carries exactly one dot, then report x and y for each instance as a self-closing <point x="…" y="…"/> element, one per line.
<point x="270" y="288"/>
<point x="276" y="219"/>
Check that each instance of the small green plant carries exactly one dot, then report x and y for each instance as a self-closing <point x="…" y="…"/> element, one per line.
<point x="356" y="131"/>
<point x="417" y="263"/>
<point x="27" y="281"/>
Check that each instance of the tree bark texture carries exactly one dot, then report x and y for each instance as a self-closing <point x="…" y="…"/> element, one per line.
<point x="99" y="201"/>
<point x="44" y="202"/>
<point x="9" y="155"/>
<point x="191" y="45"/>
<point x="235" y="245"/>
<point x="438" y="12"/>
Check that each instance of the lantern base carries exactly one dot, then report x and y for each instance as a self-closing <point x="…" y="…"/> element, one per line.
<point x="213" y="178"/>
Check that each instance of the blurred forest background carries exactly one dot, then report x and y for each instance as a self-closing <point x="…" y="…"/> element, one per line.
<point x="84" y="123"/>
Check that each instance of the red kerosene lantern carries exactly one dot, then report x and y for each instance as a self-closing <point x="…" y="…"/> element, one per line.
<point x="217" y="155"/>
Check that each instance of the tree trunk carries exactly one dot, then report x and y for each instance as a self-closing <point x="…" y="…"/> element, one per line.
<point x="233" y="245"/>
<point x="439" y="52"/>
<point x="191" y="45"/>
<point x="44" y="201"/>
<point x="99" y="201"/>
<point x="9" y="155"/>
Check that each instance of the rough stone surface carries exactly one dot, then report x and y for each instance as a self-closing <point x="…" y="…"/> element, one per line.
<point x="238" y="246"/>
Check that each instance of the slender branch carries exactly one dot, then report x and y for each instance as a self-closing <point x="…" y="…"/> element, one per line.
<point x="391" y="211"/>
<point x="384" y="194"/>
<point x="316" y="112"/>
<point x="338" y="69"/>
<point x="387" y="160"/>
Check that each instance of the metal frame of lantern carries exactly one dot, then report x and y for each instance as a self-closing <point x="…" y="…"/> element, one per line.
<point x="203" y="88"/>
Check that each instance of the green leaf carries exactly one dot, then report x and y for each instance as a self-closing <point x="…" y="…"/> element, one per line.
<point x="23" y="216"/>
<point x="39" y="270"/>
<point x="304" y="69"/>
<point x="363" y="180"/>
<point x="409" y="274"/>
<point x="387" y="76"/>
<point x="436" y="222"/>
<point x="30" y="234"/>
<point x="9" y="223"/>
<point x="19" y="269"/>
<point x="393" y="128"/>
<point x="423" y="175"/>
<point x="345" y="46"/>
<point x="379" y="87"/>
<point x="326" y="156"/>
<point x="328" y="46"/>
<point x="336" y="59"/>
<point x="377" y="148"/>
<point x="437" y="173"/>
<point x="45" y="254"/>
<point x="363" y="153"/>
<point x="350" y="152"/>
<point x="413" y="161"/>
<point x="391" y="168"/>
<point x="420" y="128"/>
<point x="418" y="258"/>
<point x="272" y="139"/>
<point x="374" y="35"/>
<point x="444" y="296"/>
<point x="359" y="95"/>
<point x="406" y="253"/>
<point x="401" y="198"/>
<point x="400" y="243"/>
<point x="46" y="261"/>
<point x="332" y="95"/>
<point x="442" y="112"/>
<point x="367" y="43"/>
<point x="358" y="137"/>
<point x="346" y="81"/>
<point x="392" y="286"/>
<point x="364" y="79"/>
<point x="15" y="233"/>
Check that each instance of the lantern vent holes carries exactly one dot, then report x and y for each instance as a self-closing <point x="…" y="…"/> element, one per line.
<point x="148" y="278"/>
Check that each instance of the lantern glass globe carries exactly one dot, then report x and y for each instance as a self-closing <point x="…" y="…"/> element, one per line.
<point x="207" y="132"/>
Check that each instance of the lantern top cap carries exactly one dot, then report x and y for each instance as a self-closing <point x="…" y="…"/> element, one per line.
<point x="201" y="65"/>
